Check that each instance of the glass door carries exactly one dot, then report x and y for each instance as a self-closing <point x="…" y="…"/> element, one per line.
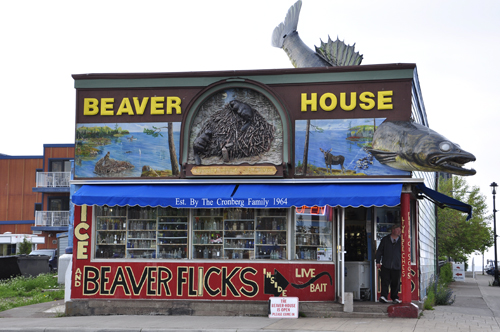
<point x="340" y="216"/>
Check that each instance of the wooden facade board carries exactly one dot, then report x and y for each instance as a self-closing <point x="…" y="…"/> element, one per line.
<point x="3" y="207"/>
<point x="48" y="241"/>
<point x="15" y="207"/>
<point x="31" y="165"/>
<point x="57" y="152"/>
<point x="4" y="177"/>
<point x="17" y="180"/>
<point x="16" y="177"/>
<point x="17" y="228"/>
<point x="28" y="211"/>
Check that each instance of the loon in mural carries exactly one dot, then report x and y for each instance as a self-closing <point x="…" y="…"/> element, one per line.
<point x="409" y="146"/>
<point x="331" y="53"/>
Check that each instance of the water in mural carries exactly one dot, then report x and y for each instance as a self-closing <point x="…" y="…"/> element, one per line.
<point x="125" y="150"/>
<point x="338" y="148"/>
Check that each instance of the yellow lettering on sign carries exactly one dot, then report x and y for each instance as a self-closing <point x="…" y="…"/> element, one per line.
<point x="81" y="251"/>
<point x="328" y="101"/>
<point x="140" y="107"/>
<point x="305" y="273"/>
<point x="90" y="106"/>
<point x="385" y="100"/>
<point x="83" y="213"/>
<point x="343" y="104"/>
<point x="173" y="102"/>
<point x="125" y="107"/>
<point x="313" y="102"/>
<point x="107" y="106"/>
<point x="80" y="236"/>
<point x="333" y="102"/>
<point x="157" y="105"/>
<point x="366" y="102"/>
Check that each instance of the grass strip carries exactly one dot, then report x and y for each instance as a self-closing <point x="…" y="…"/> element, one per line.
<point x="21" y="291"/>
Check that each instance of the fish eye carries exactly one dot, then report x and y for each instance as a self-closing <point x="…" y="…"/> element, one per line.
<point x="445" y="146"/>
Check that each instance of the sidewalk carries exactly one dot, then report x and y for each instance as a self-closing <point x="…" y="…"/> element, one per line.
<point x="476" y="308"/>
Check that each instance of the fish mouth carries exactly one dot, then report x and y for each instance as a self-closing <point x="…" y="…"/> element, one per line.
<point x="454" y="163"/>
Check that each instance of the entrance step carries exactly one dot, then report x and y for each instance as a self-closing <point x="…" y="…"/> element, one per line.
<point x="218" y="308"/>
<point x="336" y="310"/>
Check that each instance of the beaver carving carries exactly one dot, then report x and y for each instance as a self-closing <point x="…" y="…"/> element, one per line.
<point x="244" y="111"/>
<point x="200" y="145"/>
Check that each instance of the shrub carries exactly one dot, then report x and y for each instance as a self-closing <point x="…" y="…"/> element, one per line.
<point x="444" y="295"/>
<point x="446" y="274"/>
<point x="429" y="301"/>
<point x="25" y="247"/>
<point x="438" y="295"/>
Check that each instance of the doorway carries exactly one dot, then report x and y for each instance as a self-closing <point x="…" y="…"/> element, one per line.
<point x="358" y="252"/>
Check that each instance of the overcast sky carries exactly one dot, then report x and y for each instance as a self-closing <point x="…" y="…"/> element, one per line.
<point x="454" y="44"/>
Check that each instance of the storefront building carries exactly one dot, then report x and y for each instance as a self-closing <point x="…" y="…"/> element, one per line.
<point x="233" y="187"/>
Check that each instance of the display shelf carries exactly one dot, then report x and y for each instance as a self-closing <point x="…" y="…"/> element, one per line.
<point x="111" y="223"/>
<point x="171" y="252"/>
<point x="172" y="234"/>
<point x="239" y="236"/>
<point x="207" y="223"/>
<point x="270" y="237"/>
<point x="270" y="252"/>
<point x="312" y="232"/>
<point x="207" y="252"/>
<point x="110" y="251"/>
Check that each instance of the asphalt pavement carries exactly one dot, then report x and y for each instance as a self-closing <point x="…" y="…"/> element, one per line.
<point x="476" y="308"/>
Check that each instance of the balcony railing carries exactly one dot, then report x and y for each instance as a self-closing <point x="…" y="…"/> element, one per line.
<point x="52" y="218"/>
<point x="52" y="179"/>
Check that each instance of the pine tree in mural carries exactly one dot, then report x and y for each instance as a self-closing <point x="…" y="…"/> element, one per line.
<point x="171" y="145"/>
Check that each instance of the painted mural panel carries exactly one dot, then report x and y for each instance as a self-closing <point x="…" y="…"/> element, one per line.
<point x="338" y="148"/>
<point x="236" y="126"/>
<point x="127" y="149"/>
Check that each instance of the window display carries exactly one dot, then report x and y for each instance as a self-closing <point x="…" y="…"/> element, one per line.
<point x="239" y="233"/>
<point x="136" y="232"/>
<point x="208" y="233"/>
<point x="165" y="233"/>
<point x="313" y="233"/>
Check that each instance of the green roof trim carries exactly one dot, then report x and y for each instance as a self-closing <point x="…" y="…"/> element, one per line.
<point x="369" y="75"/>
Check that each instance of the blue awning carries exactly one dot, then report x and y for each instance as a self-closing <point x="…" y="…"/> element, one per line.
<point x="287" y="195"/>
<point x="240" y="195"/>
<point x="443" y="201"/>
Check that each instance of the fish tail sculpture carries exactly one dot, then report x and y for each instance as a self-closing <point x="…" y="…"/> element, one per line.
<point x="331" y="53"/>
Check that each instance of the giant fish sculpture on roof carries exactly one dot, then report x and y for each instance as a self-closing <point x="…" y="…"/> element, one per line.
<point x="409" y="146"/>
<point x="403" y="145"/>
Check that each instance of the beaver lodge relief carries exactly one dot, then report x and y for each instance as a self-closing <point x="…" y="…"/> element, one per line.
<point x="246" y="128"/>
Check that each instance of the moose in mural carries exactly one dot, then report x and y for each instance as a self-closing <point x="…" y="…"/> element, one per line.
<point x="330" y="160"/>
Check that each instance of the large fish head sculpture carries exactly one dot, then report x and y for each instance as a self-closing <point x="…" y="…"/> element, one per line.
<point x="410" y="146"/>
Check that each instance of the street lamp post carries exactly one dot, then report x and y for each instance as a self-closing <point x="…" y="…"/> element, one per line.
<point x="493" y="186"/>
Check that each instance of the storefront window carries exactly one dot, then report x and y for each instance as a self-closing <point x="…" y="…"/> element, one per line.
<point x="163" y="233"/>
<point x="313" y="233"/>
<point x="137" y="232"/>
<point x="239" y="234"/>
<point x="110" y="231"/>
<point x="208" y="233"/>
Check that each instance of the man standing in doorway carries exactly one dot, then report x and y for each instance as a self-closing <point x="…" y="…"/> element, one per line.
<point x="389" y="251"/>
